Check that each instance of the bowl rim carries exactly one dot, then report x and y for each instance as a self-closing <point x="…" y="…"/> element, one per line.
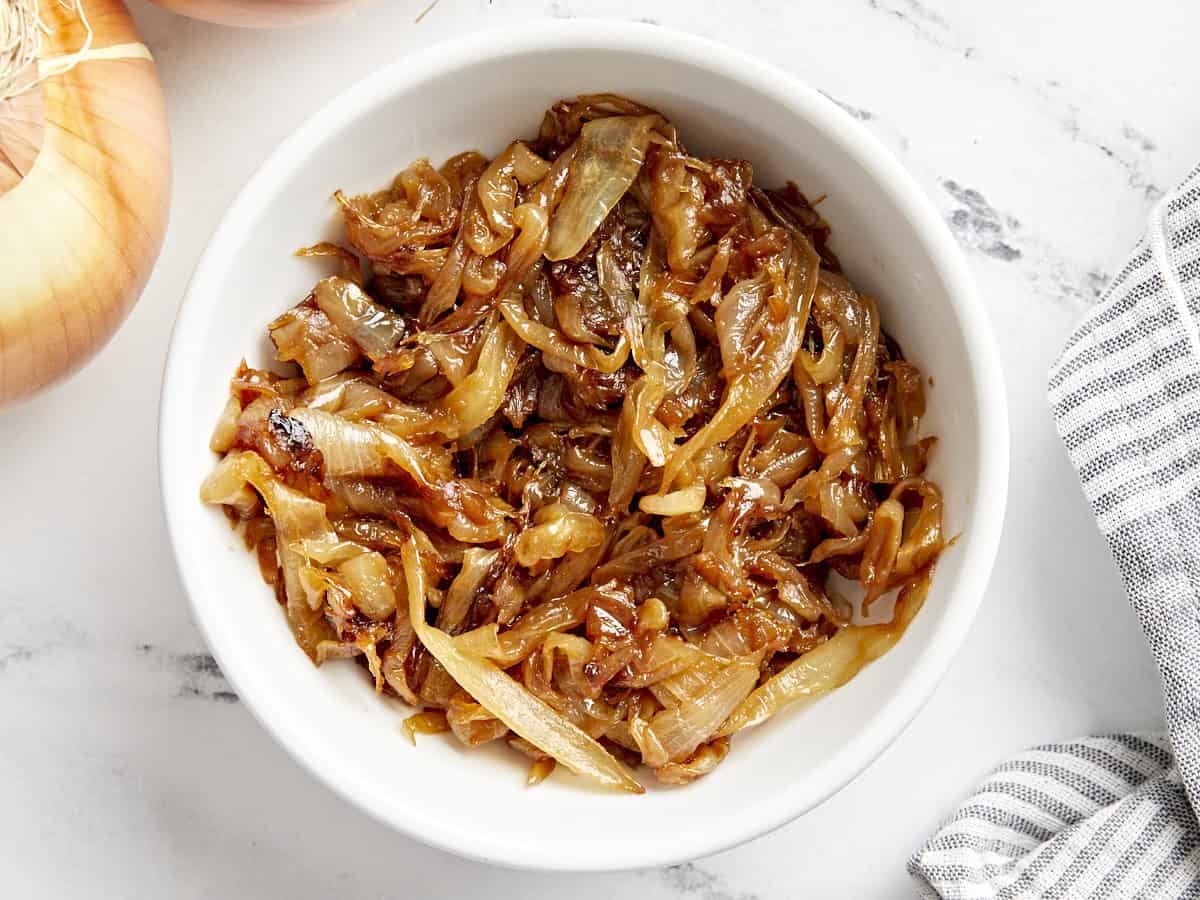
<point x="983" y="521"/>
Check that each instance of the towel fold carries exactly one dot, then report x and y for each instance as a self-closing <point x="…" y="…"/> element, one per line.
<point x="1114" y="816"/>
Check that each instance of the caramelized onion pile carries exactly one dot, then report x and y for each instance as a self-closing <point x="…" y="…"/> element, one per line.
<point x="574" y="449"/>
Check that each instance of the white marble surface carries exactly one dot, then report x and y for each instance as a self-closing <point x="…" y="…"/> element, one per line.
<point x="127" y="768"/>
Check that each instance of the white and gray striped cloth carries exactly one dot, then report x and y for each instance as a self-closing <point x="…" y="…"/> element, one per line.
<point x="1114" y="816"/>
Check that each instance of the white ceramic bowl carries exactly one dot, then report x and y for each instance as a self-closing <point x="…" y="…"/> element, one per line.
<point x="480" y="92"/>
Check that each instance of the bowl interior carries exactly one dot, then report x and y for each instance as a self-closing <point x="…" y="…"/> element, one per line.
<point x="481" y="95"/>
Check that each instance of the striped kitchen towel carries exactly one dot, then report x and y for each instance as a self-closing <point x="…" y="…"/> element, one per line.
<point x="1115" y="816"/>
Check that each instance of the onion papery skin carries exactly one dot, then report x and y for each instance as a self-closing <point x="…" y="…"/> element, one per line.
<point x="80" y="233"/>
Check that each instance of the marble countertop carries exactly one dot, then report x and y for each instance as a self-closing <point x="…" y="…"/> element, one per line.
<point x="1044" y="133"/>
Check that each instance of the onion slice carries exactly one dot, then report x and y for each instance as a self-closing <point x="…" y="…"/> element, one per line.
<point x="608" y="159"/>
<point x="705" y="695"/>
<point x="507" y="700"/>
<point x="480" y="394"/>
<point x="298" y="518"/>
<point x="750" y="387"/>
<point x="359" y="448"/>
<point x="677" y="503"/>
<point x="831" y="664"/>
<point x="375" y="329"/>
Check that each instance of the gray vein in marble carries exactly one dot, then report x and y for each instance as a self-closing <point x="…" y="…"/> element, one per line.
<point x="980" y="227"/>
<point x="1140" y="140"/>
<point x="922" y="21"/>
<point x="201" y="677"/>
<point x="15" y="655"/>
<point x="562" y="10"/>
<point x="67" y="635"/>
<point x="1136" y="176"/>
<point x="689" y="880"/>
<point x="1127" y="147"/>
<point x="197" y="675"/>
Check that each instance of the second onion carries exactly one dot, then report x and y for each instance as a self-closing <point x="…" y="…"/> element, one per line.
<point x="84" y="190"/>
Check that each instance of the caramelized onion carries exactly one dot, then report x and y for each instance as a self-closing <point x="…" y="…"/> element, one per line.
<point x="608" y="158"/>
<point x="507" y="700"/>
<point x="570" y="452"/>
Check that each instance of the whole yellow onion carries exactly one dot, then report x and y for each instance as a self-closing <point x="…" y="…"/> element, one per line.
<point x="84" y="183"/>
<point x="255" y="13"/>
